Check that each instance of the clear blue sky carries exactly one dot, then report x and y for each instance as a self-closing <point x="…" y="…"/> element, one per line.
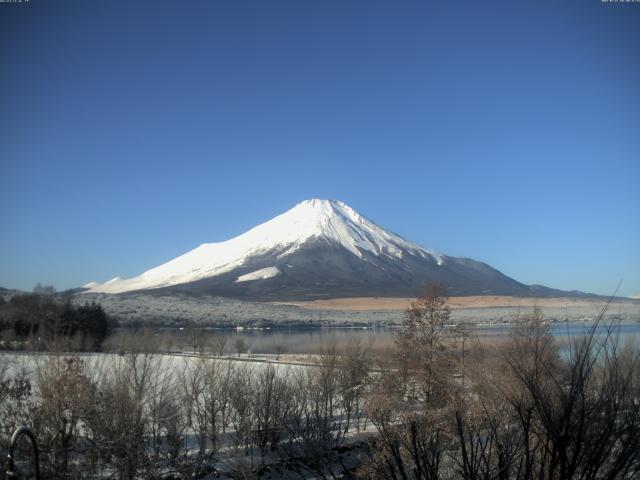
<point x="505" y="131"/>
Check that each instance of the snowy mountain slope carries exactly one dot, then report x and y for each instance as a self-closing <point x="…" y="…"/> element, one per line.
<point x="318" y="249"/>
<point x="311" y="219"/>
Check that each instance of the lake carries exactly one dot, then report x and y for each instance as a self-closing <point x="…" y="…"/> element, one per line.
<point x="315" y="340"/>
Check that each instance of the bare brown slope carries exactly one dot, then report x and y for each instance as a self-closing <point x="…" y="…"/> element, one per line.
<point x="492" y="301"/>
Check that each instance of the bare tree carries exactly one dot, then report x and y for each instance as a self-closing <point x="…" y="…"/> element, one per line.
<point x="241" y="393"/>
<point x="409" y="447"/>
<point x="67" y="399"/>
<point x="124" y="418"/>
<point x="271" y="408"/>
<point x="240" y="346"/>
<point x="194" y="384"/>
<point x="420" y="341"/>
<point x="355" y="370"/>
<point x="579" y="414"/>
<point x="219" y="345"/>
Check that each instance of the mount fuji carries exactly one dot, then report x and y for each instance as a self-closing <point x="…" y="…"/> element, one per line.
<point x="318" y="249"/>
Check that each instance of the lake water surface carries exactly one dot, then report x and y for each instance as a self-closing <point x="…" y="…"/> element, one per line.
<point x="315" y="340"/>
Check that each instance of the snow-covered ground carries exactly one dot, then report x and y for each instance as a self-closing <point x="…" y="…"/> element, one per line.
<point x="229" y="461"/>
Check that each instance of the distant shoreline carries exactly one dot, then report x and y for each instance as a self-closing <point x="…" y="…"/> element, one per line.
<point x="473" y="301"/>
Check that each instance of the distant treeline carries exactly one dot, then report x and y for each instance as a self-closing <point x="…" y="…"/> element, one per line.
<point x="44" y="317"/>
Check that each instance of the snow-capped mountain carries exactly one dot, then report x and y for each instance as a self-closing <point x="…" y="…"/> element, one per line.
<point x="318" y="249"/>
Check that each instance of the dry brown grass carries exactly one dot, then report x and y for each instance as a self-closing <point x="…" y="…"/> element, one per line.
<point x="383" y="303"/>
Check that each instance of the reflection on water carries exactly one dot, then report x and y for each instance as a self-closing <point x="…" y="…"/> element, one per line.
<point x="315" y="340"/>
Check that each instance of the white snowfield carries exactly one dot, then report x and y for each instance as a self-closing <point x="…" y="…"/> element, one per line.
<point x="312" y="219"/>
<point x="261" y="274"/>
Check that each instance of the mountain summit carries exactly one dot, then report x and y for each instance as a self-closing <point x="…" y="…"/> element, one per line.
<point x="318" y="249"/>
